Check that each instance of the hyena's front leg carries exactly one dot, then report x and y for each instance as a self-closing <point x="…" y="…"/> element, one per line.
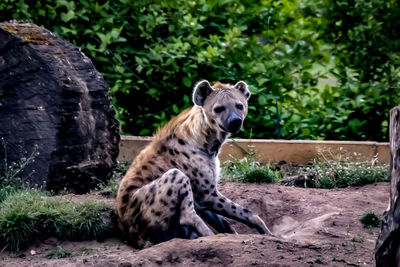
<point x="222" y="205"/>
<point x="219" y="223"/>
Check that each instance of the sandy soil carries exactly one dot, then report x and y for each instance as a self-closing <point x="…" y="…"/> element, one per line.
<point x="313" y="227"/>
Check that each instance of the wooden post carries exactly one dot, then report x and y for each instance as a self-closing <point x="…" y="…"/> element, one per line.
<point x="387" y="252"/>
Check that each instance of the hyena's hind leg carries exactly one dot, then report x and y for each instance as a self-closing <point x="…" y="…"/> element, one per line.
<point x="167" y="210"/>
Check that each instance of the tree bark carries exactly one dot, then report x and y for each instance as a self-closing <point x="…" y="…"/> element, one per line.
<point x="52" y="98"/>
<point x="387" y="247"/>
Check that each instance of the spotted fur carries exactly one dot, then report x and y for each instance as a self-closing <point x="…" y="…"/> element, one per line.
<point x="170" y="190"/>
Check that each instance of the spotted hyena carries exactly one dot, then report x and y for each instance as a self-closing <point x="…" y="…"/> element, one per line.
<point x="170" y="190"/>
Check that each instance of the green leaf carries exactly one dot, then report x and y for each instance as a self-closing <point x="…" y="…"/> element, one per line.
<point x="186" y="99"/>
<point x="144" y="132"/>
<point x="187" y="82"/>
<point x="292" y="94"/>
<point x="262" y="101"/>
<point x="175" y="109"/>
<point x="67" y="16"/>
<point x="119" y="69"/>
<point x="139" y="68"/>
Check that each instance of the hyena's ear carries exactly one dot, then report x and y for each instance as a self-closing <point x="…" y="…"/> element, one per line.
<point x="243" y="88"/>
<point x="201" y="91"/>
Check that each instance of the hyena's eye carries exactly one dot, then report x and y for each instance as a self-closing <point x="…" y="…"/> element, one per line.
<point x="239" y="106"/>
<point x="219" y="109"/>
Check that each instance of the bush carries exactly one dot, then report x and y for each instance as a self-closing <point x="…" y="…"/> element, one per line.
<point x="366" y="60"/>
<point x="370" y="219"/>
<point x="343" y="174"/>
<point x="315" y="71"/>
<point x="339" y="171"/>
<point x="248" y="170"/>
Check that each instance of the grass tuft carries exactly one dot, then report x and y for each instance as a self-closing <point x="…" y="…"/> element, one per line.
<point x="334" y="174"/>
<point x="6" y="190"/>
<point x="17" y="221"/>
<point x="248" y="170"/>
<point x="343" y="171"/>
<point x="89" y="219"/>
<point x="29" y="213"/>
<point x="370" y="219"/>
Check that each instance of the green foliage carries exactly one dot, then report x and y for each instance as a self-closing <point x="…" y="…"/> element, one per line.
<point x="248" y="170"/>
<point x="336" y="172"/>
<point x="29" y="213"/>
<point x="370" y="219"/>
<point x="261" y="176"/>
<point x="16" y="221"/>
<point x="365" y="35"/>
<point x="58" y="253"/>
<point x="6" y="190"/>
<point x="317" y="69"/>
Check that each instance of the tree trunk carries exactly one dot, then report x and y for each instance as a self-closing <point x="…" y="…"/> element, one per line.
<point x="387" y="246"/>
<point x="52" y="98"/>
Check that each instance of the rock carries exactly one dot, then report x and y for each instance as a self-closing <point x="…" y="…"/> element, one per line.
<point x="52" y="97"/>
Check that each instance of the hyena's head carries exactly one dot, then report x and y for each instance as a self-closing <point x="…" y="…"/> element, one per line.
<point x="224" y="104"/>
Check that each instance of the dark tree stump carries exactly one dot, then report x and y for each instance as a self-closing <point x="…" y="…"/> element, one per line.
<point x="52" y="96"/>
<point x="388" y="243"/>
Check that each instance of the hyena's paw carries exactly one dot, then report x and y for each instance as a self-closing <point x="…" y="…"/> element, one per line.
<point x="260" y="225"/>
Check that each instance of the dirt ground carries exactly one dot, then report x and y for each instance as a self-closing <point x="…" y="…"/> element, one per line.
<point x="313" y="227"/>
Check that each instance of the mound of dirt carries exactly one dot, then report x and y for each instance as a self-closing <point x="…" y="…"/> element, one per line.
<point x="311" y="227"/>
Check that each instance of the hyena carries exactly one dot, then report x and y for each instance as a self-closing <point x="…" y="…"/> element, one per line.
<point x="170" y="190"/>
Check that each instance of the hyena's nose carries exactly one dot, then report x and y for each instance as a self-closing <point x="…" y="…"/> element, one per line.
<point x="234" y="124"/>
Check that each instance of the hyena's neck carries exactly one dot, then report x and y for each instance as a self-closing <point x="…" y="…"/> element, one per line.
<point x="213" y="142"/>
<point x="201" y="132"/>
